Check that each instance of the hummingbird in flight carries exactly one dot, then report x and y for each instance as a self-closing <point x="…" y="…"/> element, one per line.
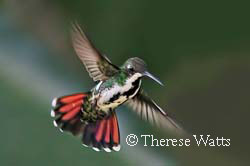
<point x="92" y="114"/>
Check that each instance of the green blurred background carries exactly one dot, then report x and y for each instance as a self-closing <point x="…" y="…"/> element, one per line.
<point x="199" y="49"/>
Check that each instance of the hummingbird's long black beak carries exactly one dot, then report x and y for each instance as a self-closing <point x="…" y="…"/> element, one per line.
<point x="146" y="73"/>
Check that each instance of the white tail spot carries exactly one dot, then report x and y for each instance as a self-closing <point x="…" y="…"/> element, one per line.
<point x="54" y="102"/>
<point x="117" y="148"/>
<point x="96" y="149"/>
<point x="55" y="124"/>
<point x="107" y="149"/>
<point x="84" y="145"/>
<point x="52" y="113"/>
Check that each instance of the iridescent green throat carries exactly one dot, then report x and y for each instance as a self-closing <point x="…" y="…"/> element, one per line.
<point x="119" y="78"/>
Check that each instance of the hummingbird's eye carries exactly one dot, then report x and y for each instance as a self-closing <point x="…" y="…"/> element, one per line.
<point x="130" y="68"/>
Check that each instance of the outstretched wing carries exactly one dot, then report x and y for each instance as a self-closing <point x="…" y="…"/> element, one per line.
<point x="148" y="110"/>
<point x="98" y="66"/>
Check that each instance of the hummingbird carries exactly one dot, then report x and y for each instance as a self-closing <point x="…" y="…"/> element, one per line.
<point x="92" y="114"/>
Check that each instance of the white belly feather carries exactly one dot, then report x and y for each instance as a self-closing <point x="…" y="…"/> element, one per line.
<point x="108" y="93"/>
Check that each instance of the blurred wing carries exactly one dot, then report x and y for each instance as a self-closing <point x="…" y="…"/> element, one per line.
<point x="98" y="66"/>
<point x="148" y="110"/>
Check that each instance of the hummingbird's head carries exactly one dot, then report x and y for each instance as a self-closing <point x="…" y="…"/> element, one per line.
<point x="138" y="66"/>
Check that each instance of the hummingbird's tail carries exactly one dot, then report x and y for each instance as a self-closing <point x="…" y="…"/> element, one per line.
<point x="67" y="111"/>
<point x="102" y="134"/>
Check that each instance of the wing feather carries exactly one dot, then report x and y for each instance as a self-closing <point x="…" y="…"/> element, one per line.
<point x="148" y="110"/>
<point x="98" y="66"/>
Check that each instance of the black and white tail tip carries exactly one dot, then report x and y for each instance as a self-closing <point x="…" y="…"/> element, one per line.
<point x="100" y="135"/>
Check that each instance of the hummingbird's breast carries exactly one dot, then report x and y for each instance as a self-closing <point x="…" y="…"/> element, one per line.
<point x="110" y="94"/>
